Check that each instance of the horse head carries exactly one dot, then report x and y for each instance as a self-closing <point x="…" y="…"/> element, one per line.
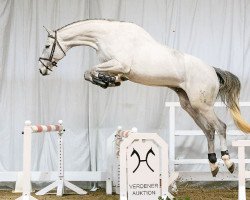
<point x="52" y="53"/>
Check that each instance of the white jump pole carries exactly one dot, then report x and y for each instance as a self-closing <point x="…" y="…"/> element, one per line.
<point x="113" y="163"/>
<point x="243" y="174"/>
<point x="60" y="183"/>
<point x="27" y="163"/>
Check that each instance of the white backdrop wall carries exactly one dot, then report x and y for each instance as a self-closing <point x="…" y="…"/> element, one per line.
<point x="216" y="31"/>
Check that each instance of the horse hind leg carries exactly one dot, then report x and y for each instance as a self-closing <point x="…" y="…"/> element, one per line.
<point x="212" y="120"/>
<point x="220" y="128"/>
<point x="209" y="131"/>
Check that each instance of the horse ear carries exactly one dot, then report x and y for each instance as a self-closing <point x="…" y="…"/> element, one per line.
<point x="49" y="31"/>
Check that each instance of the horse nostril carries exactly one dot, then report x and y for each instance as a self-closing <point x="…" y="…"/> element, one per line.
<point x="41" y="72"/>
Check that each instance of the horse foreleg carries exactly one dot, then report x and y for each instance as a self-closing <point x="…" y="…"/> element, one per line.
<point x="107" y="74"/>
<point x="102" y="80"/>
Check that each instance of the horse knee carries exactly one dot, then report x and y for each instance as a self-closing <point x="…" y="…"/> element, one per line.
<point x="87" y="76"/>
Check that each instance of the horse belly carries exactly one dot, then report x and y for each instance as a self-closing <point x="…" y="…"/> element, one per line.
<point x="158" y="66"/>
<point x="156" y="75"/>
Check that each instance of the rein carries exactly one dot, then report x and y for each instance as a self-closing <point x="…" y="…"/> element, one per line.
<point x="54" y="63"/>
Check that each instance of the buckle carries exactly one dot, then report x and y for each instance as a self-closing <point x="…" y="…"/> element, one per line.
<point x="54" y="63"/>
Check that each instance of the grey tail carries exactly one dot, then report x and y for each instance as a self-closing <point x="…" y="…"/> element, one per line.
<point x="229" y="93"/>
<point x="229" y="88"/>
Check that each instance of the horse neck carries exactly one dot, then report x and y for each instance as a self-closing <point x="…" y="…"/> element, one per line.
<point x="80" y="34"/>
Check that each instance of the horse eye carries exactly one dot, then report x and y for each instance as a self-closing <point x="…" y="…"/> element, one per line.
<point x="47" y="46"/>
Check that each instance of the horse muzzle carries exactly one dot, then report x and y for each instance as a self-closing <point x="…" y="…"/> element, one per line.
<point x="44" y="71"/>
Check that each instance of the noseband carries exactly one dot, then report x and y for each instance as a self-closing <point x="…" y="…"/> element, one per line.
<point x="52" y="52"/>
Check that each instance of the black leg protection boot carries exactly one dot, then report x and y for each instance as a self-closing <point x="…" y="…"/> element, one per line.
<point x="213" y="165"/>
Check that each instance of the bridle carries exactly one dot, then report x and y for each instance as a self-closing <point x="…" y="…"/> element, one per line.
<point x="54" y="63"/>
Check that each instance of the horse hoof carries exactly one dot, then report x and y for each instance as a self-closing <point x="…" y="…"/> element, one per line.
<point x="232" y="168"/>
<point x="104" y="87"/>
<point x="215" y="172"/>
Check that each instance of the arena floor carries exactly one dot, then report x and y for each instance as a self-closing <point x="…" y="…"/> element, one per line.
<point x="185" y="193"/>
